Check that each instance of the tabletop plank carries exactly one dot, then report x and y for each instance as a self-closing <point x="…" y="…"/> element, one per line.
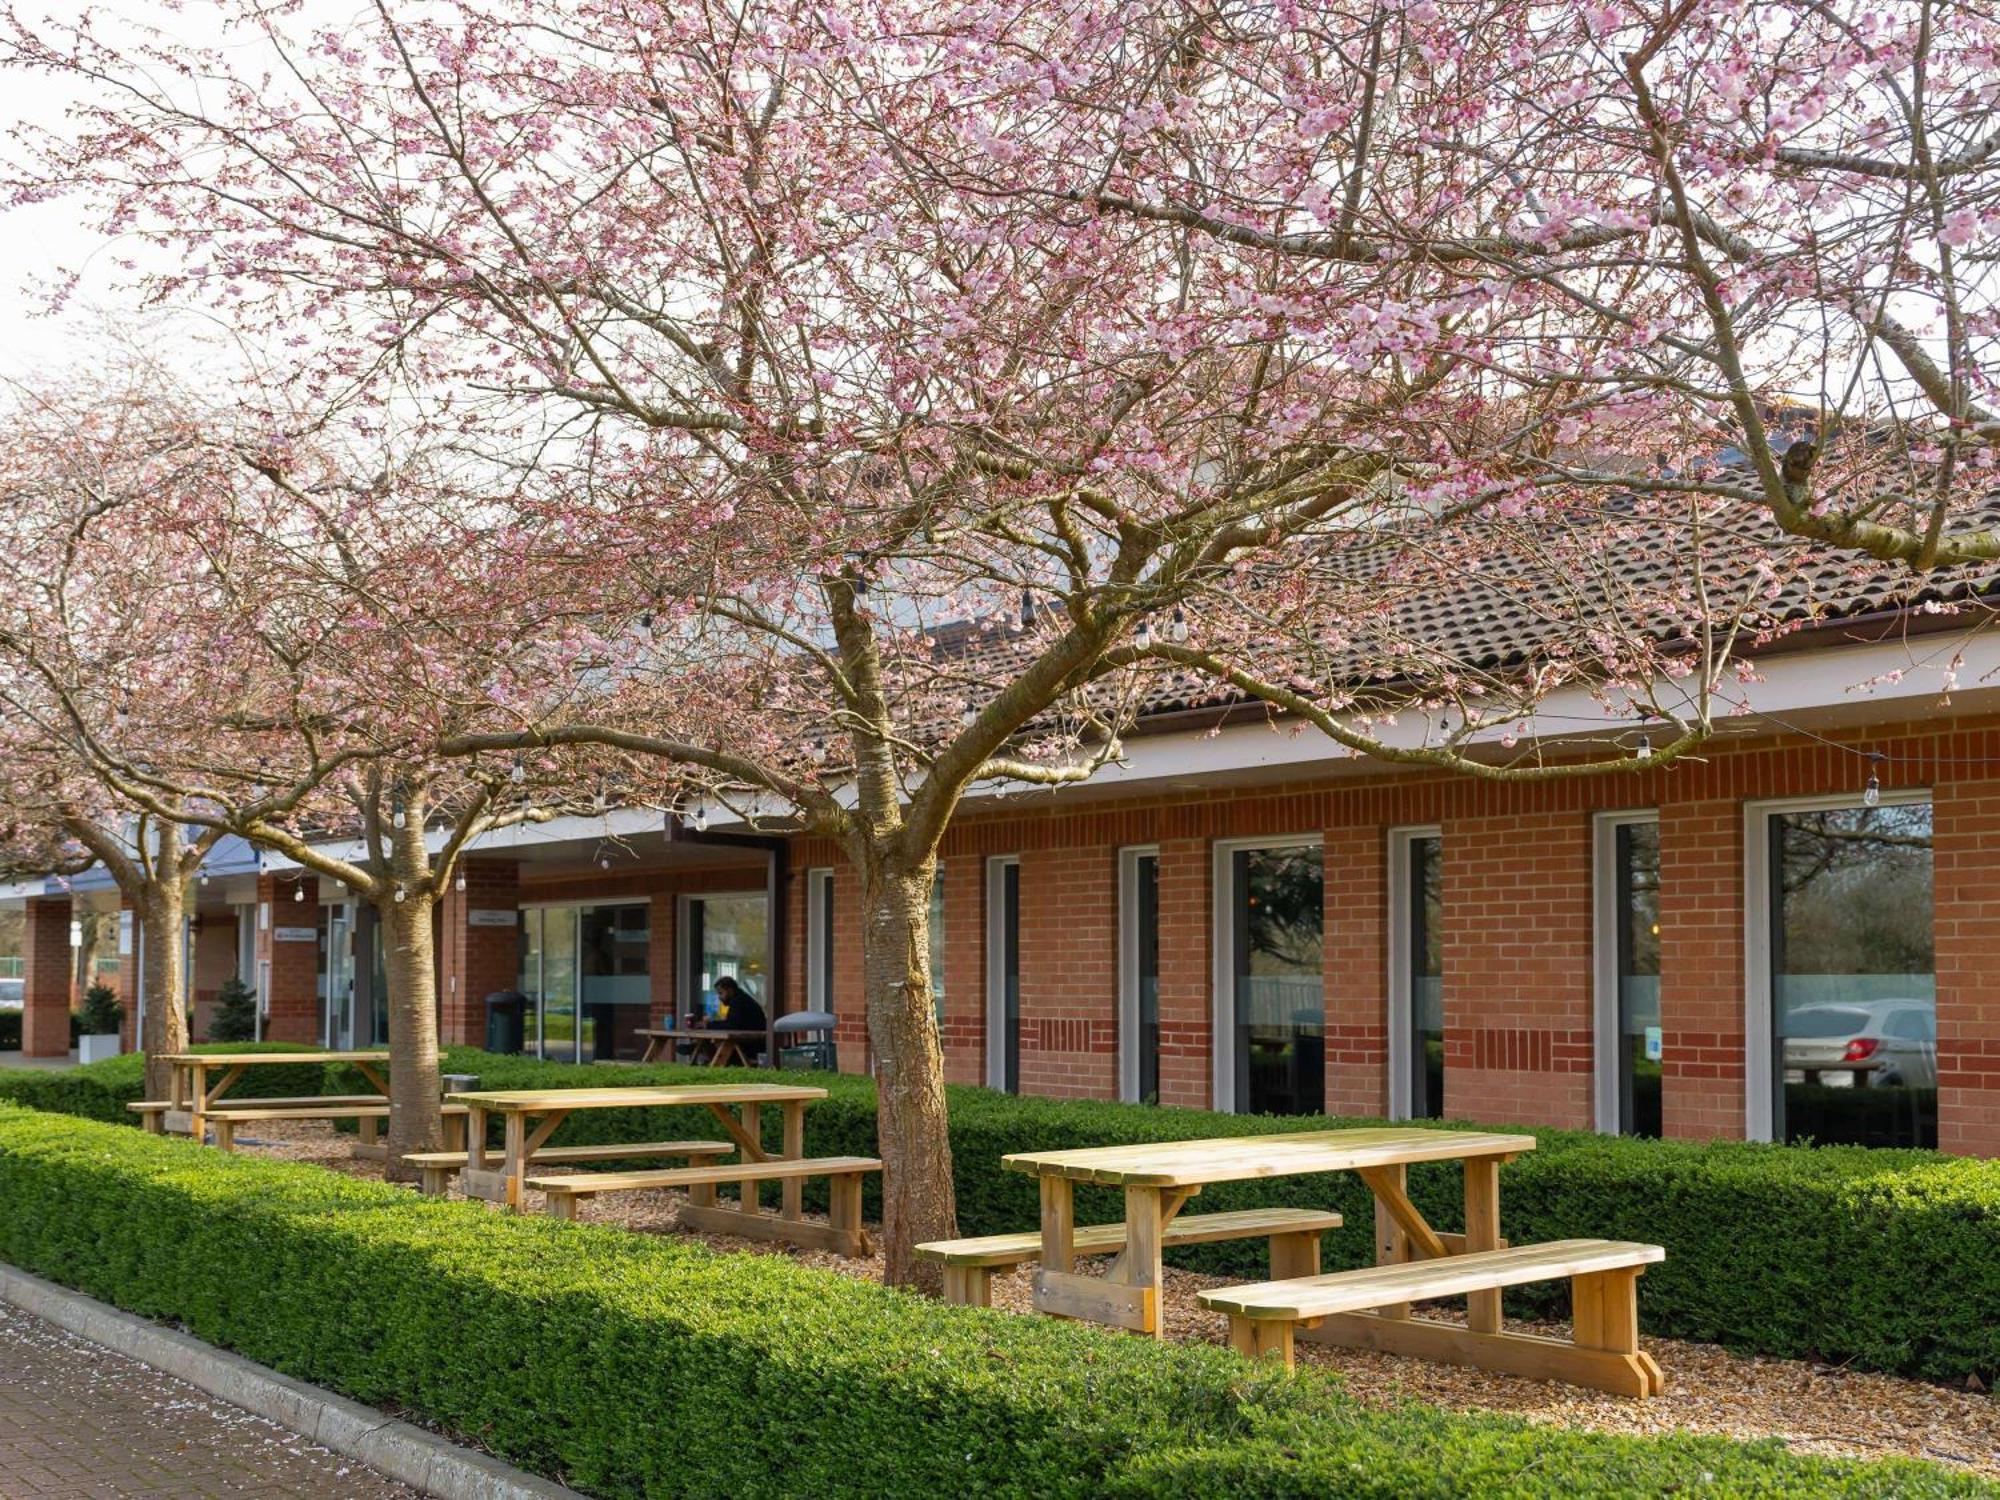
<point x="1237" y="1158"/>
<point x="243" y="1059"/>
<point x="534" y="1101"/>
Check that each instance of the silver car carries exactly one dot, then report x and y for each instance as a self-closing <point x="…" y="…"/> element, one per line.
<point x="13" y="992"/>
<point x="1883" y="1043"/>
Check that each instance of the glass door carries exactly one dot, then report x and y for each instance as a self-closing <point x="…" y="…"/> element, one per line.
<point x="1278" y="906"/>
<point x="562" y="1036"/>
<point x="727" y="935"/>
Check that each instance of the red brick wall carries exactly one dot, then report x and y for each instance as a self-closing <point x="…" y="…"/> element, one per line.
<point x="1069" y="973"/>
<point x="1517" y="971"/>
<point x="1356" y="964"/>
<point x="1966" y="846"/>
<point x="49" y="977"/>
<point x="473" y="962"/>
<point x="291" y="999"/>
<point x="215" y="950"/>
<point x="1701" y="968"/>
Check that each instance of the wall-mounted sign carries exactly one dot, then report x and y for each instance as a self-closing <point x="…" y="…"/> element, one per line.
<point x="295" y="935"/>
<point x="490" y="917"/>
<point x="1655" y="1046"/>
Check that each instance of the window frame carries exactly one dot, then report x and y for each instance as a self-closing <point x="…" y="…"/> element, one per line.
<point x="1760" y="1054"/>
<point x="1401" y="1007"/>
<point x="819" y="939"/>
<point x="1606" y="1039"/>
<point x="1222" y="971"/>
<point x="997" y="866"/>
<point x="1128" y="965"/>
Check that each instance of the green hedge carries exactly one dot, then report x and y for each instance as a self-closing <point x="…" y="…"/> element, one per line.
<point x="1877" y="1259"/>
<point x="637" y="1365"/>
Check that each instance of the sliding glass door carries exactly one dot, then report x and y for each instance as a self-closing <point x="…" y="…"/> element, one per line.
<point x="1276" y="898"/>
<point x="586" y="971"/>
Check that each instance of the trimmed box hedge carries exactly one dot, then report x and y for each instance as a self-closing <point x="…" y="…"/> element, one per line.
<point x="637" y="1365"/>
<point x="1877" y="1259"/>
<point x="103" y="1089"/>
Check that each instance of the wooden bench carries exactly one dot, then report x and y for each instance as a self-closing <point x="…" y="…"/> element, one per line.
<point x="161" y="1115"/>
<point x="843" y="1233"/>
<point x="439" y="1167"/>
<point x="1603" y="1352"/>
<point x="1293" y="1232"/>
<point x="370" y="1116"/>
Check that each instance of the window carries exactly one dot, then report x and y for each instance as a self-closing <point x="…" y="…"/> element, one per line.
<point x="1139" y="975"/>
<point x="1416" y="973"/>
<point x="1003" y="974"/>
<point x="587" y="973"/>
<point x="1842" y="985"/>
<point x="819" y="940"/>
<point x="937" y="943"/>
<point x="1271" y="1036"/>
<point x="1630" y="1046"/>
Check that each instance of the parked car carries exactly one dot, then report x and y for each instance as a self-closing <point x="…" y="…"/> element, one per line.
<point x="1893" y="1041"/>
<point x="13" y="993"/>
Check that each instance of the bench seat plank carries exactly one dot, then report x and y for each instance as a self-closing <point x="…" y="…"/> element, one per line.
<point x="610" y="1152"/>
<point x="774" y="1170"/>
<point x="376" y="1111"/>
<point x="1109" y="1239"/>
<point x="1414" y="1281"/>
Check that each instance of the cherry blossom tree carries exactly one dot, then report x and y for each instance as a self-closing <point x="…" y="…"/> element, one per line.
<point x="909" y="397"/>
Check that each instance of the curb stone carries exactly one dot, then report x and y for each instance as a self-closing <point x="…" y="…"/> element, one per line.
<point x="420" y="1459"/>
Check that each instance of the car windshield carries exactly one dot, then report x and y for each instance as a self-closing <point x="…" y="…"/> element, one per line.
<point x="1825" y="1021"/>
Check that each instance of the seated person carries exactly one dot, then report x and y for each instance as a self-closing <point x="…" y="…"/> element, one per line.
<point x="739" y="1011"/>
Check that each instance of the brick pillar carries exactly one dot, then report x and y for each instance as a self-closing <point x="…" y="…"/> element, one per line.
<point x="663" y="955"/>
<point x="1965" y="830"/>
<point x="1356" y="972"/>
<point x="477" y="952"/>
<point x="964" y="1029"/>
<point x="288" y="957"/>
<point x="1069" y="972"/>
<point x="50" y="976"/>
<point x="850" y="992"/>
<point x="1701" y="969"/>
<point x="1517" y="973"/>
<point x="1187" y="980"/>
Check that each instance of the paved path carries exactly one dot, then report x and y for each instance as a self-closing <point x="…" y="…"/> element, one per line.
<point x="79" y="1421"/>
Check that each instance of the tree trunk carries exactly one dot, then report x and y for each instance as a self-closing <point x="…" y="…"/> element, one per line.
<point x="161" y="911"/>
<point x="415" y="1088"/>
<point x="910" y="1118"/>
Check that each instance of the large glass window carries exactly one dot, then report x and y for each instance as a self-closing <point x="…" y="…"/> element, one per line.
<point x="1853" y="982"/>
<point x="586" y="971"/>
<point x="1139" y="984"/>
<point x="1278" y="908"/>
<point x="1636" y="908"/>
<point x="728" y="935"/>
<point x="1417" y="867"/>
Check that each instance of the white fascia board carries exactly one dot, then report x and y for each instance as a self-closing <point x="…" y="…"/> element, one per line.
<point x="613" y="823"/>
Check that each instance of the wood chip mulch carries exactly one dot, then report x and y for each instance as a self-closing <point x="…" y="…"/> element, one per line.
<point x="1812" y="1408"/>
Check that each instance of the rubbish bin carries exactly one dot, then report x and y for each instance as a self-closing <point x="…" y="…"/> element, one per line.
<point x="506" y="1020"/>
<point x="810" y="1037"/>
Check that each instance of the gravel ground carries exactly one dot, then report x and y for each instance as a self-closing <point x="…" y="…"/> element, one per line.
<point x="1813" y="1408"/>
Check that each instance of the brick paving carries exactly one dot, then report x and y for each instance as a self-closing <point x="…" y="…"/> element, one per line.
<point x="77" y="1421"/>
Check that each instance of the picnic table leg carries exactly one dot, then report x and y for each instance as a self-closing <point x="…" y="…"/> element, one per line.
<point x="753" y="1123"/>
<point x="454" y="1132"/>
<point x="1141" y="1264"/>
<point x="1392" y="1246"/>
<point x="793" y="1205"/>
<point x="514" y="1164"/>
<point x="197" y="1117"/>
<point x="1482" y="1232"/>
<point x="1058" y="1225"/>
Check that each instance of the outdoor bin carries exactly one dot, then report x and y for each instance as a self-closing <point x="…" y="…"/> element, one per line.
<point x="810" y="1034"/>
<point x="506" y="1020"/>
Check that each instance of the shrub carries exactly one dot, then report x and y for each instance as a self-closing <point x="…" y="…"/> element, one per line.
<point x="235" y="1018"/>
<point x="1876" y="1259"/>
<point x="101" y="1015"/>
<point x="103" y="1089"/>
<point x="635" y="1365"/>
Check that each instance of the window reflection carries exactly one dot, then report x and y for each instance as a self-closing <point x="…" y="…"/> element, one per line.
<point x="1641" y="1044"/>
<point x="1426" y="955"/>
<point x="1280" y="1004"/>
<point x="1853" y="977"/>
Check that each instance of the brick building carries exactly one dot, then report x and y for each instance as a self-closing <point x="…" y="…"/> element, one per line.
<point x="1783" y="937"/>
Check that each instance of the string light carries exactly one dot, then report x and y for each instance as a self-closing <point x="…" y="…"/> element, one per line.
<point x="459" y="884"/>
<point x="1027" y="609"/>
<point x="299" y="892"/>
<point x="1871" y="794"/>
<point x="700" y="817"/>
<point x="969" y="713"/>
<point x="1645" y="747"/>
<point x="1144" y="636"/>
<point x="1178" y="629"/>
<point x="401" y="894"/>
<point x="519" y="774"/>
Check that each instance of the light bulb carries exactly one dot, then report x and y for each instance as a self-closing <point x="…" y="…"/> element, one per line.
<point x="970" y="712"/>
<point x="298" y="893"/>
<point x="459" y="884"/>
<point x="204" y="877"/>
<point x="519" y="774"/>
<point x="401" y="894"/>
<point x="399" y="819"/>
<point x="1872" y="793"/>
<point x="604" y="864"/>
<point x="598" y="802"/>
<point x="1144" y="637"/>
<point x="1645" y="747"/>
<point x="816" y="749"/>
<point x="1179" y="628"/>
<point x="1027" y="609"/>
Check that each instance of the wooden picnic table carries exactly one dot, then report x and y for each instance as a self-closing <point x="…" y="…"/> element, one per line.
<point x="1160" y="1178"/>
<point x="532" y="1115"/>
<point x="728" y="1041"/>
<point x="190" y="1097"/>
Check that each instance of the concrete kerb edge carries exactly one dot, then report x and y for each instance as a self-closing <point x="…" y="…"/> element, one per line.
<point x="408" y="1454"/>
